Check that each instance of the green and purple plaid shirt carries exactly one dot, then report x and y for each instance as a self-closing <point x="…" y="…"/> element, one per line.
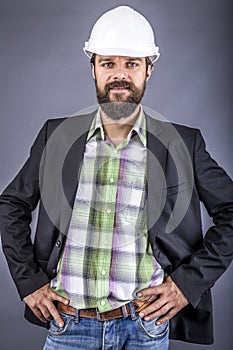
<point x="107" y="257"/>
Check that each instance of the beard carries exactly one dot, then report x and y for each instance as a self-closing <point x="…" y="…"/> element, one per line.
<point x="119" y="109"/>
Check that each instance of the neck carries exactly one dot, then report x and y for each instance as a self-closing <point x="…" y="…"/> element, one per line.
<point x="118" y="130"/>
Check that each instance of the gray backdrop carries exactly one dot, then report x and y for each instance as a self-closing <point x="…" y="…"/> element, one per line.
<point x="44" y="74"/>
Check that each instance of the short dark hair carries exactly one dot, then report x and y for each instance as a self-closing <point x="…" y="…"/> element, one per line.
<point x="148" y="63"/>
<point x="93" y="59"/>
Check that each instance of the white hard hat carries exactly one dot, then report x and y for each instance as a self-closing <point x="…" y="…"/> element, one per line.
<point x="122" y="31"/>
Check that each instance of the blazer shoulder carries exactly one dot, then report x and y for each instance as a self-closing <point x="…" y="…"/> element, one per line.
<point x="74" y="119"/>
<point x="52" y="124"/>
<point x="185" y="128"/>
<point x="181" y="128"/>
<point x="187" y="134"/>
<point x="159" y="123"/>
<point x="170" y="130"/>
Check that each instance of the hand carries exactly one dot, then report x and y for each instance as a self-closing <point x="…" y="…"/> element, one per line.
<point x="168" y="301"/>
<point x="41" y="303"/>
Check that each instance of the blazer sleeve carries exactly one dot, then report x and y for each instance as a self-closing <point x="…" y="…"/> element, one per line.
<point x="17" y="202"/>
<point x="215" y="190"/>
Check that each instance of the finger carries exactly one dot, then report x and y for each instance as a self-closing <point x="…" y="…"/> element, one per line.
<point x="44" y="309"/>
<point x="153" y="297"/>
<point x="55" y="314"/>
<point x="151" y="312"/>
<point x="55" y="296"/>
<point x="39" y="315"/>
<point x="154" y="307"/>
<point x="152" y="290"/>
<point x="166" y="317"/>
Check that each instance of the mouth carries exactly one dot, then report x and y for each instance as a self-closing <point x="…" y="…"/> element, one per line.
<point x="119" y="89"/>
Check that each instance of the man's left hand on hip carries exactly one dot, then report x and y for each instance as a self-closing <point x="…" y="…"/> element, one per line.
<point x="169" y="300"/>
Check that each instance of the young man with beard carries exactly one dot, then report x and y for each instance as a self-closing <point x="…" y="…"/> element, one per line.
<point x="115" y="260"/>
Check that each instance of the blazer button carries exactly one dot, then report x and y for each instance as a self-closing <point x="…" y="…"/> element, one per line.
<point x="58" y="244"/>
<point x="54" y="271"/>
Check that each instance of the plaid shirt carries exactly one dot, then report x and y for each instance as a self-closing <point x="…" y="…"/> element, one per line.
<point x="107" y="257"/>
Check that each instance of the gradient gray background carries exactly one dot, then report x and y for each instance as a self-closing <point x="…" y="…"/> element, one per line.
<point x="44" y="74"/>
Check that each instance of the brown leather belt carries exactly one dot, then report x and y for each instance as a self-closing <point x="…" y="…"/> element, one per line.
<point x="120" y="312"/>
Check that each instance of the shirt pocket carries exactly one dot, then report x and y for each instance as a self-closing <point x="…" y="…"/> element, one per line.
<point x="55" y="330"/>
<point x="151" y="330"/>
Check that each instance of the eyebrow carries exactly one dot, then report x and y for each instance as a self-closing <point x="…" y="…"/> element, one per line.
<point x="110" y="58"/>
<point x="135" y="59"/>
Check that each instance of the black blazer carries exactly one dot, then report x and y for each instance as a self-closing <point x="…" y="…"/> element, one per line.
<point x="180" y="174"/>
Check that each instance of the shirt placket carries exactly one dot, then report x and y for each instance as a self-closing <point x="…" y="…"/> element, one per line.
<point x="108" y="194"/>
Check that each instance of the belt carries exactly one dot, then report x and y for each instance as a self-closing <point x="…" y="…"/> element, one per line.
<point x="120" y="312"/>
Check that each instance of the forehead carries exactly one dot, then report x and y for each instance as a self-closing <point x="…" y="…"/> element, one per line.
<point x="100" y="58"/>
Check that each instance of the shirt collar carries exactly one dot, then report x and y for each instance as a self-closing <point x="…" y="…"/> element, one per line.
<point x="139" y="127"/>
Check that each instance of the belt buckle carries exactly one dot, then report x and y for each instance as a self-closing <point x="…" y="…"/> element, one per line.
<point x="102" y="319"/>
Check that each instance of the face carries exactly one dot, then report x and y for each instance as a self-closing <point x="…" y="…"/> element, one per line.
<point x="120" y="83"/>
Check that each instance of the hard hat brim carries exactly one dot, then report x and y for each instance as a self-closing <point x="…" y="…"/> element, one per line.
<point x="121" y="52"/>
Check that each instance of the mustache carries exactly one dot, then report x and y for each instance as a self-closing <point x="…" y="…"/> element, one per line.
<point x="119" y="84"/>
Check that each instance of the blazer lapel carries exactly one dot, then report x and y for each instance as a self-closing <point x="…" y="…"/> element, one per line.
<point x="78" y="131"/>
<point x="157" y="144"/>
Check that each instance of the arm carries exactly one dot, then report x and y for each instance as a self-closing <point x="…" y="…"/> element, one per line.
<point x="208" y="263"/>
<point x="191" y="280"/>
<point x="17" y="202"/>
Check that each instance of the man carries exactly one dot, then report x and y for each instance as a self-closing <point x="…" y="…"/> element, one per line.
<point x="119" y="258"/>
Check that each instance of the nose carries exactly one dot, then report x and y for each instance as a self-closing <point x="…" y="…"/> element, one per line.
<point x="120" y="73"/>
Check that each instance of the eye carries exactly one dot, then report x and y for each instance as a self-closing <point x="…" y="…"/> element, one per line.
<point x="132" y="64"/>
<point x="107" y="64"/>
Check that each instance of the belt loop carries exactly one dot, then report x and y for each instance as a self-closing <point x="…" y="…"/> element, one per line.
<point x="132" y="311"/>
<point x="98" y="315"/>
<point x="124" y="311"/>
<point x="76" y="318"/>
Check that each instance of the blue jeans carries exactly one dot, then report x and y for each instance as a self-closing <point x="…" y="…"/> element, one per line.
<point x="131" y="333"/>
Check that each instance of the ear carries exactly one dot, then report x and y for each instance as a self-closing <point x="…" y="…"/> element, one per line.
<point x="149" y="71"/>
<point x="93" y="70"/>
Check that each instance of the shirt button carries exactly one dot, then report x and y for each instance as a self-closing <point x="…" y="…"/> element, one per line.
<point x="102" y="302"/>
<point x="108" y="211"/>
<point x="58" y="244"/>
<point x="111" y="180"/>
<point x="103" y="272"/>
<point x="105" y="242"/>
